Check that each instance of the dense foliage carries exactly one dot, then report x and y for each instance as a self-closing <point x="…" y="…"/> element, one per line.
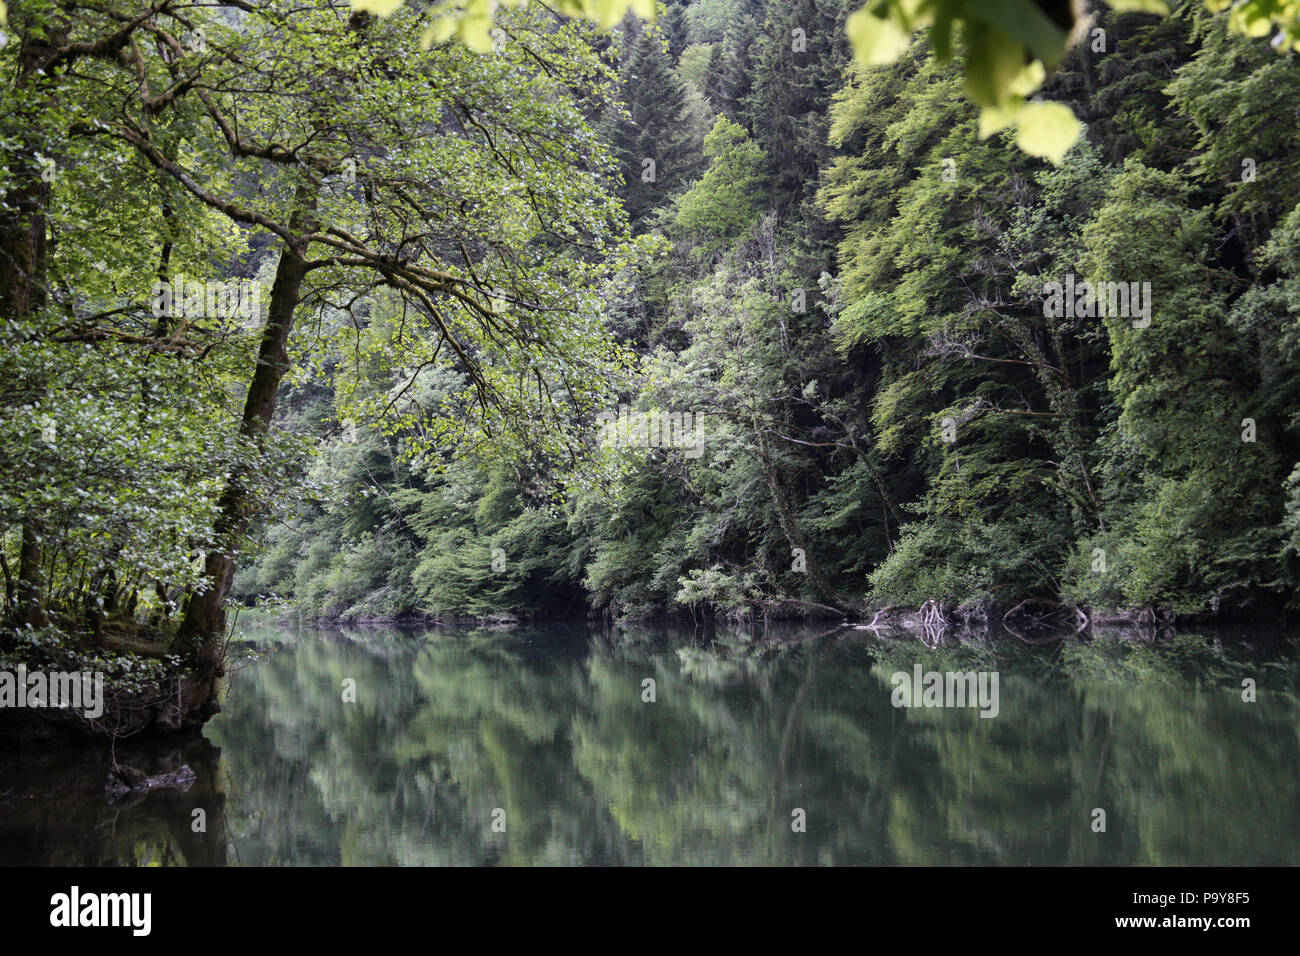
<point x="203" y="209"/>
<point x="704" y="314"/>
<point x="849" y="294"/>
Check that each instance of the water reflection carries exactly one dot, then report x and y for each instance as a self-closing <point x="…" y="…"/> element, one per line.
<point x="53" y="810"/>
<point x="550" y="725"/>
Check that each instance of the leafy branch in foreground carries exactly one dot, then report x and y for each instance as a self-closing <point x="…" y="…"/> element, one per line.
<point x="1011" y="46"/>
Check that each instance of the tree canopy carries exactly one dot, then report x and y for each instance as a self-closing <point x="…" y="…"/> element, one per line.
<point x="690" y="310"/>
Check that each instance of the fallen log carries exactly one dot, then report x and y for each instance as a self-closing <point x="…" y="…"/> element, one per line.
<point x="123" y="780"/>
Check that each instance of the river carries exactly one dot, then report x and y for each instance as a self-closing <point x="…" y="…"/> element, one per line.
<point x="566" y="744"/>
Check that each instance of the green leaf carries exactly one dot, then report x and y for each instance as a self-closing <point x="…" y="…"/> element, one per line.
<point x="476" y="32"/>
<point x="437" y="32"/>
<point x="941" y="34"/>
<point x="876" y="41"/>
<point x="1047" y="129"/>
<point x="1030" y="79"/>
<point x="1252" y="19"/>
<point x="912" y="15"/>
<point x="1024" y="21"/>
<point x="1140" y="6"/>
<point x="994" y="119"/>
<point x="993" y="65"/>
<point x="380" y="8"/>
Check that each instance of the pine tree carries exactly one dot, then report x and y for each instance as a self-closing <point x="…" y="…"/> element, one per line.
<point x="799" y="56"/>
<point x="653" y="142"/>
<point x="731" y="77"/>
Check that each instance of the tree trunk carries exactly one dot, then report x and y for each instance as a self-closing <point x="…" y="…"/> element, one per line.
<point x="30" y="608"/>
<point x="204" y="622"/>
<point x="22" y="286"/>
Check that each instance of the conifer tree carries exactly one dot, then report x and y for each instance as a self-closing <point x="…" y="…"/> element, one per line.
<point x="652" y="142"/>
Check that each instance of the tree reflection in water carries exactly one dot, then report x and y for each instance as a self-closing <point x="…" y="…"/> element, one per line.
<point x="550" y="726"/>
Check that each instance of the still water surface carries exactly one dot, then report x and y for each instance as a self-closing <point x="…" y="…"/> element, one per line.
<point x="546" y="731"/>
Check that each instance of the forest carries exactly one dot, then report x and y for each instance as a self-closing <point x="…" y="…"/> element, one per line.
<point x="724" y="310"/>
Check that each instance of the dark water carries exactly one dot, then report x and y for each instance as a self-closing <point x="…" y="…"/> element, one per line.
<point x="545" y="730"/>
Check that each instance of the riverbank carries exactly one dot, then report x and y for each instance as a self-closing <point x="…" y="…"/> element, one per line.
<point x="148" y="689"/>
<point x="1027" y="613"/>
<point x="111" y="685"/>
